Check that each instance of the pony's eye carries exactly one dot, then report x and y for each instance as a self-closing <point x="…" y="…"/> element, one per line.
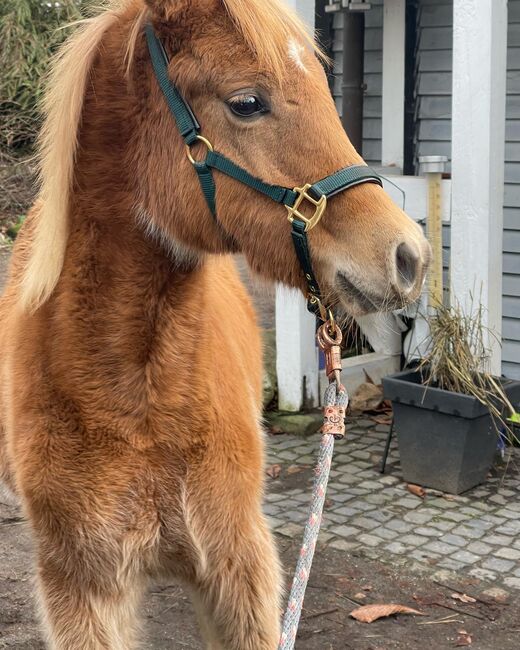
<point x="246" y="105"/>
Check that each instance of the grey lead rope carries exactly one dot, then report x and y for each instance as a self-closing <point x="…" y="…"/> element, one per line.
<point x="334" y="397"/>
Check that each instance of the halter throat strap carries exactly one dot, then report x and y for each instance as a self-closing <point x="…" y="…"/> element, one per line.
<point x="315" y="194"/>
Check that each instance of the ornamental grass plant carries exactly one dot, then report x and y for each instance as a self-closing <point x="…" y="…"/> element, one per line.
<point x="458" y="359"/>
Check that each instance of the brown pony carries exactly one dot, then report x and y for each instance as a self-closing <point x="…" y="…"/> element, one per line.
<point x="130" y="393"/>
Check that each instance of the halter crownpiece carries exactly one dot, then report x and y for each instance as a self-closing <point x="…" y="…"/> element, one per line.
<point x="315" y="195"/>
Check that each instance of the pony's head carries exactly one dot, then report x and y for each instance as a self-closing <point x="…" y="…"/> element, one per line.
<point x="256" y="84"/>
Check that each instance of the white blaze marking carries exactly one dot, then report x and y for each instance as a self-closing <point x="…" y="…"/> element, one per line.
<point x="296" y="51"/>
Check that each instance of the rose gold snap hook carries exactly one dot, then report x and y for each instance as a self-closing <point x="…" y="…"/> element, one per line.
<point x="329" y="334"/>
<point x="331" y="349"/>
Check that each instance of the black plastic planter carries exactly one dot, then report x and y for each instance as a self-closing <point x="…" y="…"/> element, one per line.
<point x="447" y="441"/>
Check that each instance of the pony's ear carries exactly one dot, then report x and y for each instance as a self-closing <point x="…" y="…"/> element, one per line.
<point x="171" y="9"/>
<point x="168" y="9"/>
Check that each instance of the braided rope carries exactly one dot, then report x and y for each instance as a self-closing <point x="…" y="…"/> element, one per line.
<point x="291" y="620"/>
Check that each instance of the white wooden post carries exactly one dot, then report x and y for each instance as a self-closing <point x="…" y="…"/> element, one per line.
<point x="478" y="125"/>
<point x="296" y="352"/>
<point x="394" y="26"/>
<point x="296" y="355"/>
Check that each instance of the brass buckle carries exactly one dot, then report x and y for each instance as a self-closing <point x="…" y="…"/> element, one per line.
<point x="189" y="146"/>
<point x="319" y="206"/>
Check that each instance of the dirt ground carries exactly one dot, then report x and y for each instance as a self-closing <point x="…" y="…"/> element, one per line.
<point x="338" y="582"/>
<point x="4" y="261"/>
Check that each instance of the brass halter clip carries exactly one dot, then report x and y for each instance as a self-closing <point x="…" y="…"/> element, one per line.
<point x="325" y="313"/>
<point x="319" y="207"/>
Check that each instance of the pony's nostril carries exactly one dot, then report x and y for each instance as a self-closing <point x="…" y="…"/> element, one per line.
<point x="406" y="266"/>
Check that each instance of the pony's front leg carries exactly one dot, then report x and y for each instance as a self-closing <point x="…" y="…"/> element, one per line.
<point x="81" y="613"/>
<point x="239" y="595"/>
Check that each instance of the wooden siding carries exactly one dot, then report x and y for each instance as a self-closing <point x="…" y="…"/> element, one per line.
<point x="373" y="69"/>
<point x="511" y="260"/>
<point x="433" y="78"/>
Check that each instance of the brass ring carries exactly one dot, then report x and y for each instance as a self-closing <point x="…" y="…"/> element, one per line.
<point x="188" y="148"/>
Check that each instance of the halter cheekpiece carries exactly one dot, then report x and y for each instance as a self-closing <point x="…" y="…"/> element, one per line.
<point x="315" y="194"/>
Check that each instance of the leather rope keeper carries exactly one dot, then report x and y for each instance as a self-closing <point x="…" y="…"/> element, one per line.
<point x="334" y="421"/>
<point x="329" y="339"/>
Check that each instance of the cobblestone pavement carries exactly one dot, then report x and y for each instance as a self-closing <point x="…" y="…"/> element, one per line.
<point x="477" y="533"/>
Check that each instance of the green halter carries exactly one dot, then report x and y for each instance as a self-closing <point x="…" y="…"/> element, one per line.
<point x="316" y="194"/>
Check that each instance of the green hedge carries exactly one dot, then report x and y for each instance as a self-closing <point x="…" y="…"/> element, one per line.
<point x="29" y="34"/>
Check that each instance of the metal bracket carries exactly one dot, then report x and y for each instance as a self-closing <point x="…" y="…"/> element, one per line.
<point x="351" y="5"/>
<point x="332" y="7"/>
<point x="360" y="5"/>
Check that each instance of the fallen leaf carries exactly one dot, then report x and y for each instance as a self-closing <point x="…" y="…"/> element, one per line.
<point x="417" y="490"/>
<point x="385" y="409"/>
<point x="275" y="430"/>
<point x="360" y="595"/>
<point x="370" y="613"/>
<point x="464" y="598"/>
<point x="294" y="469"/>
<point x="382" y="419"/>
<point x="496" y="594"/>
<point x="367" y="397"/>
<point x="367" y="588"/>
<point x="464" y="639"/>
<point x="273" y="471"/>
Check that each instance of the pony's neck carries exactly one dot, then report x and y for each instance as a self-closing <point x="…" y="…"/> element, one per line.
<point x="125" y="314"/>
<point x="127" y="273"/>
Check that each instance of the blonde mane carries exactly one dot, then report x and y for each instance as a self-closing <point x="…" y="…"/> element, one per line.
<point x="62" y="109"/>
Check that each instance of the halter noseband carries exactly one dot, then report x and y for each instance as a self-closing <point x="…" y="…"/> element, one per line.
<point x="316" y="194"/>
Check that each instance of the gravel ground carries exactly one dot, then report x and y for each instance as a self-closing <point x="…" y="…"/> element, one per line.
<point x="477" y="533"/>
<point x="339" y="582"/>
